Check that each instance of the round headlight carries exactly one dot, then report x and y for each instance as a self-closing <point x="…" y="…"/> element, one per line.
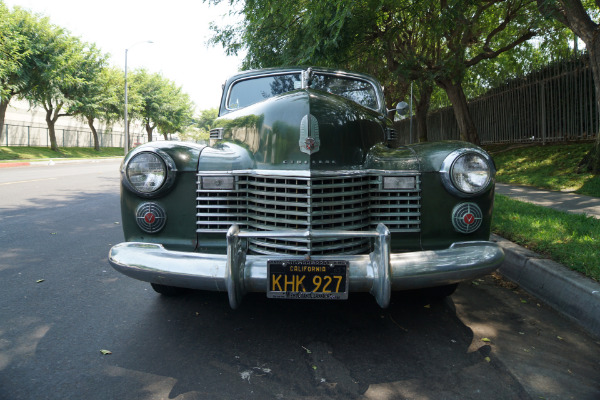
<point x="146" y="172"/>
<point x="471" y="173"/>
<point x="467" y="172"/>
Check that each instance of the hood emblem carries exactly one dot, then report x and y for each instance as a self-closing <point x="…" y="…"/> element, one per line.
<point x="309" y="135"/>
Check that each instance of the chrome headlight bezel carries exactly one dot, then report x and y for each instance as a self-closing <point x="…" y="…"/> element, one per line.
<point x="451" y="169"/>
<point x="169" y="168"/>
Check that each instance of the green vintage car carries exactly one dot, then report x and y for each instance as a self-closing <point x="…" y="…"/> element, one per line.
<point x="303" y="194"/>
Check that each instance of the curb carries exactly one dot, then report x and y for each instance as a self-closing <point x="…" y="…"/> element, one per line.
<point x="15" y="164"/>
<point x="59" y="161"/>
<point x="571" y="294"/>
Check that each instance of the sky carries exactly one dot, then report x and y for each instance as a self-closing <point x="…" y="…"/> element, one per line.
<point x="179" y="30"/>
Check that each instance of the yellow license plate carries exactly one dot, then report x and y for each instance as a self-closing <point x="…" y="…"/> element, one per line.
<point x="307" y="279"/>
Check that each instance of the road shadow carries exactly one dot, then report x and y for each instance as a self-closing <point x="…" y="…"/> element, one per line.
<point x="199" y="348"/>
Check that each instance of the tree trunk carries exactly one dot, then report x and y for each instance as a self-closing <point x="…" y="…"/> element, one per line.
<point x="422" y="109"/>
<point x="149" y="129"/>
<point x="51" y="118"/>
<point x="576" y="17"/>
<point x="457" y="97"/>
<point x="593" y="48"/>
<point x="3" y="107"/>
<point x="90" y="121"/>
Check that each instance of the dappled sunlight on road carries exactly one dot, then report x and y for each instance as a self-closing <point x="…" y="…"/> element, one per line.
<point x="23" y="346"/>
<point x="521" y="332"/>
<point x="150" y="386"/>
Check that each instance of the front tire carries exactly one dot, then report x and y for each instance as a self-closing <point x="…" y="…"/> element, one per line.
<point x="165" y="290"/>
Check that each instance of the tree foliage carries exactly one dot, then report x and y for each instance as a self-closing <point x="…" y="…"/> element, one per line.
<point x="205" y="121"/>
<point x="64" y="78"/>
<point x="429" y="42"/>
<point x="52" y="69"/>
<point x="19" y="52"/>
<point x="162" y="103"/>
<point x="100" y="98"/>
<point x="582" y="17"/>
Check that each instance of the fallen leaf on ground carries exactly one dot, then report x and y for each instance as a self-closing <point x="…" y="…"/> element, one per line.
<point x="105" y="352"/>
<point x="485" y="340"/>
<point x="40" y="281"/>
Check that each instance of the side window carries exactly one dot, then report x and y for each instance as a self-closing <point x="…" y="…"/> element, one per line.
<point x="250" y="91"/>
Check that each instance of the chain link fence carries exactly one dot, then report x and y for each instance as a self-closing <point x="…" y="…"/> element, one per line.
<point x="37" y="136"/>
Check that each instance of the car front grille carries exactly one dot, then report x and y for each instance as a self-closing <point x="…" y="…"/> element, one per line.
<point x="340" y="202"/>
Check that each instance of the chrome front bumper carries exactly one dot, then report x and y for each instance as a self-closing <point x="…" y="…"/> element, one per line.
<point x="238" y="273"/>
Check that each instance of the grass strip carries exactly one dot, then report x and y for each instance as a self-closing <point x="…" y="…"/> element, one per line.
<point x="553" y="167"/>
<point x="45" y="153"/>
<point x="570" y="239"/>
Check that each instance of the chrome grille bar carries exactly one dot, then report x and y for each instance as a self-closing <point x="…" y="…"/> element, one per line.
<point x="267" y="203"/>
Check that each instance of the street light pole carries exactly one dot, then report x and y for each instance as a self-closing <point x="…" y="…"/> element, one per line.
<point x="126" y="144"/>
<point x="126" y="139"/>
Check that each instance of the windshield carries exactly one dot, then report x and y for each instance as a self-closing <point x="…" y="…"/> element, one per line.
<point x="253" y="90"/>
<point x="250" y="91"/>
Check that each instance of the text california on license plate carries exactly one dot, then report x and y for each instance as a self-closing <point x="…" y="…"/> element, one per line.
<point x="307" y="279"/>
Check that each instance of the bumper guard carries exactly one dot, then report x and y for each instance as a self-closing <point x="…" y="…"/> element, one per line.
<point x="238" y="273"/>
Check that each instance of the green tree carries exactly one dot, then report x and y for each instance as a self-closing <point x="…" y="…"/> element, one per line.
<point x="582" y="17"/>
<point x="199" y="130"/>
<point x="19" y="50"/>
<point x="178" y="110"/>
<point x="207" y="119"/>
<point x="65" y="70"/>
<point x="98" y="95"/>
<point x="426" y="41"/>
<point x="101" y="100"/>
<point x="162" y="103"/>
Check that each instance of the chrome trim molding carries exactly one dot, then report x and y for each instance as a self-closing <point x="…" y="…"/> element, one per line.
<point x="290" y="173"/>
<point x="466" y="217"/>
<point x="304" y="79"/>
<point x="150" y="217"/>
<point x="237" y="273"/>
<point x="169" y="180"/>
<point x="309" y="141"/>
<point x="448" y="164"/>
<point x="338" y="202"/>
<point x="216" y="133"/>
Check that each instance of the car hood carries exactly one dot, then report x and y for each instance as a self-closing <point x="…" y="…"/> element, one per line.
<point x="301" y="130"/>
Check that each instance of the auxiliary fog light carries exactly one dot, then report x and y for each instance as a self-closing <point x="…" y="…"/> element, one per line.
<point x="218" y="183"/>
<point x="398" y="182"/>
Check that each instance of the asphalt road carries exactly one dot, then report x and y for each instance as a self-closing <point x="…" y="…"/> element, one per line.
<point x="61" y="304"/>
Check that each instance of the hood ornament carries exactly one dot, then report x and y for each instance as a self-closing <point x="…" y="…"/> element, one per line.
<point x="309" y="135"/>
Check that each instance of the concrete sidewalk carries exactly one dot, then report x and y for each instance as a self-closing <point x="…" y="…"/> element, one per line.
<point x="562" y="201"/>
<point x="569" y="292"/>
